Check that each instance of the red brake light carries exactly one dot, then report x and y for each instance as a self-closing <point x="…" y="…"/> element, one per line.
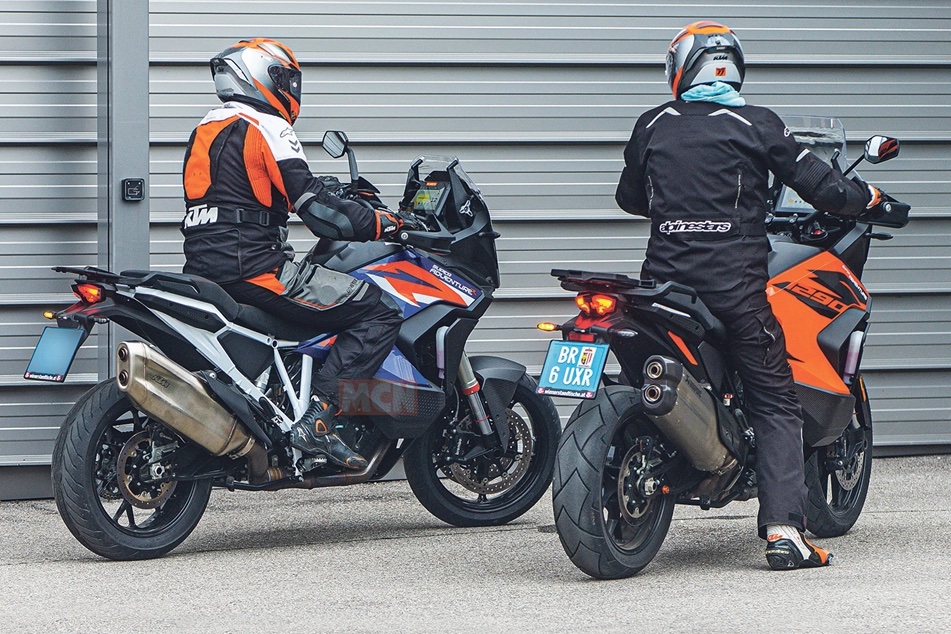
<point x="89" y="293"/>
<point x="598" y="304"/>
<point x="583" y="304"/>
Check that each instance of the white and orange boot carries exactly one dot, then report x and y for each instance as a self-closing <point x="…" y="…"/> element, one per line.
<point x="788" y="549"/>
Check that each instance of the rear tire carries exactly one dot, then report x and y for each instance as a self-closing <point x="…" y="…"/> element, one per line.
<point x="605" y="536"/>
<point x="837" y="494"/>
<point x="452" y="494"/>
<point x="96" y="465"/>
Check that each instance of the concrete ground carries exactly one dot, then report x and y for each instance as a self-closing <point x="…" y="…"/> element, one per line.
<point x="371" y="559"/>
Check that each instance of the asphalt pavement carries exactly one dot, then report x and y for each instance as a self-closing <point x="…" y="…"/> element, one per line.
<point x="369" y="558"/>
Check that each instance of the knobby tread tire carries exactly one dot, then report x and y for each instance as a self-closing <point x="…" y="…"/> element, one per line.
<point x="576" y="488"/>
<point x="74" y="488"/>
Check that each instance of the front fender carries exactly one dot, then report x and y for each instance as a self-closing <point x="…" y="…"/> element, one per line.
<point x="498" y="377"/>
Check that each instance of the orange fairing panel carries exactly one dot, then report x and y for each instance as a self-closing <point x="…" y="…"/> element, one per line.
<point x="806" y="299"/>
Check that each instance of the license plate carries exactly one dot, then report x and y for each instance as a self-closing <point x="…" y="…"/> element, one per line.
<point x="573" y="369"/>
<point x="54" y="354"/>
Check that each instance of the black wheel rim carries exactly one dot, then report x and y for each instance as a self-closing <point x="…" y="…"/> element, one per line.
<point x="844" y="486"/>
<point x="530" y="419"/>
<point x="630" y="519"/>
<point x="124" y="497"/>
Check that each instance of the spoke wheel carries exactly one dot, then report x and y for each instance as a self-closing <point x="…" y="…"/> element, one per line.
<point x="838" y="476"/>
<point x="498" y="486"/>
<point x="107" y="491"/>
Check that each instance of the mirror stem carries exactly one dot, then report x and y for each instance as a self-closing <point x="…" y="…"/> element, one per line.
<point x="352" y="160"/>
<point x="853" y="165"/>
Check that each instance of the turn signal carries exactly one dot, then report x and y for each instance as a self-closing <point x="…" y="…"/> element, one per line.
<point x="48" y="314"/>
<point x="599" y="305"/>
<point x="547" y="326"/>
<point x="89" y="293"/>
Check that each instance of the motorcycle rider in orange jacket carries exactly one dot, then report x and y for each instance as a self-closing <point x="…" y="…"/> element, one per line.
<point x="244" y="172"/>
<point x="698" y="167"/>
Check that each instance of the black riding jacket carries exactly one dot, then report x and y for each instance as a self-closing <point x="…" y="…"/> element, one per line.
<point x="700" y="172"/>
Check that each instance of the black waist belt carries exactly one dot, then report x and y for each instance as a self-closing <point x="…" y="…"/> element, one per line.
<point x="257" y="216"/>
<point x="201" y="215"/>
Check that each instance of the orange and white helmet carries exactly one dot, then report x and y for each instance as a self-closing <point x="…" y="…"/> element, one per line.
<point x="261" y="71"/>
<point x="702" y="53"/>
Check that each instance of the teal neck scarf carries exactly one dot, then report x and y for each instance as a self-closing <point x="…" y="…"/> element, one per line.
<point x="717" y="92"/>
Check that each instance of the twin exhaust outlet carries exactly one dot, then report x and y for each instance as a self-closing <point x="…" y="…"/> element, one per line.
<point x="685" y="412"/>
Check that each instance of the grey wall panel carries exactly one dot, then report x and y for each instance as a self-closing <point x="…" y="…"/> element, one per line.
<point x="546" y="30"/>
<point x="584" y="103"/>
<point x="536" y="98"/>
<point x="47" y="205"/>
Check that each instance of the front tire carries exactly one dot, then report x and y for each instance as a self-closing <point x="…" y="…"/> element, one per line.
<point x="607" y="527"/>
<point x="491" y="490"/>
<point x="97" y="464"/>
<point x="837" y="491"/>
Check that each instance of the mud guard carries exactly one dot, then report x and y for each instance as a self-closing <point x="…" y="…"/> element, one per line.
<point x="498" y="377"/>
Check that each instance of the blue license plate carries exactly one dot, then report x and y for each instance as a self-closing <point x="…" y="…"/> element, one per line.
<point x="54" y="354"/>
<point x="573" y="369"/>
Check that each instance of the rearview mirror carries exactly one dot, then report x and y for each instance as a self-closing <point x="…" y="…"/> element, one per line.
<point x="335" y="143"/>
<point x="881" y="148"/>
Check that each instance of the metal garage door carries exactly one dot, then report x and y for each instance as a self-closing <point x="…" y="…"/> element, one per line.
<point x="537" y="98"/>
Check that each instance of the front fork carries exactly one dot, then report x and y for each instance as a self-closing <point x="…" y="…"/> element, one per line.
<point x="470" y="388"/>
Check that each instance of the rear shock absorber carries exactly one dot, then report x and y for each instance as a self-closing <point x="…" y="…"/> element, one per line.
<point x="470" y="388"/>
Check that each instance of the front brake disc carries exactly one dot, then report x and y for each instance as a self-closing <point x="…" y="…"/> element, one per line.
<point x="500" y="472"/>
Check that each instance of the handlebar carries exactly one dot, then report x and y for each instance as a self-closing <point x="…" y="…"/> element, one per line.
<point x="889" y="213"/>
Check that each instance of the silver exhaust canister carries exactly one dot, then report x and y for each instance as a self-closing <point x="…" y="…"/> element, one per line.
<point x="685" y="413"/>
<point x="171" y="394"/>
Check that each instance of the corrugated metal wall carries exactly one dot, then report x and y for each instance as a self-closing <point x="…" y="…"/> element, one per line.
<point x="47" y="205"/>
<point x="537" y="98"/>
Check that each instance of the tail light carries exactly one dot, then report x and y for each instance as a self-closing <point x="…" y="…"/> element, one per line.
<point x="596" y="304"/>
<point x="89" y="293"/>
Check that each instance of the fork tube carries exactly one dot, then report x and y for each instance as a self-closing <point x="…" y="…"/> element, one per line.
<point x="470" y="387"/>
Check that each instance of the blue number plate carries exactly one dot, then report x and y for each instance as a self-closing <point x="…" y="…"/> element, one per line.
<point x="54" y="354"/>
<point x="573" y="369"/>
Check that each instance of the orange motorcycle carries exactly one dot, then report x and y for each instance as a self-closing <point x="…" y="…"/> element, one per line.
<point x="672" y="429"/>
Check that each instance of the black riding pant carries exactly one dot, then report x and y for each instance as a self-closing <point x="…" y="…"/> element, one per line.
<point x="366" y="326"/>
<point x="757" y="350"/>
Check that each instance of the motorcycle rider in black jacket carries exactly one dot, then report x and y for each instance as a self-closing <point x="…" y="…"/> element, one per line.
<point x="698" y="167"/>
<point x="244" y="171"/>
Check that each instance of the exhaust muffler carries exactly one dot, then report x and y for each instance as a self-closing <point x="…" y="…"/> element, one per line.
<point x="168" y="392"/>
<point x="685" y="413"/>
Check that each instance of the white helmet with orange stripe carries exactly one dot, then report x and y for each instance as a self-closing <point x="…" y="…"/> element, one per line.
<point x="261" y="71"/>
<point x="702" y="53"/>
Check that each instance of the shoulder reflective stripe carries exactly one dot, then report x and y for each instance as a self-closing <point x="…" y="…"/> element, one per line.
<point x="731" y="113"/>
<point x="802" y="155"/>
<point x="667" y="110"/>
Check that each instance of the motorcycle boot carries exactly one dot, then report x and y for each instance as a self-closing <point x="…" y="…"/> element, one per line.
<point x="313" y="434"/>
<point x="788" y="549"/>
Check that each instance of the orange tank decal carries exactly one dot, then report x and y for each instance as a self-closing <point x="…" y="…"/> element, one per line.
<point x="806" y="299"/>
